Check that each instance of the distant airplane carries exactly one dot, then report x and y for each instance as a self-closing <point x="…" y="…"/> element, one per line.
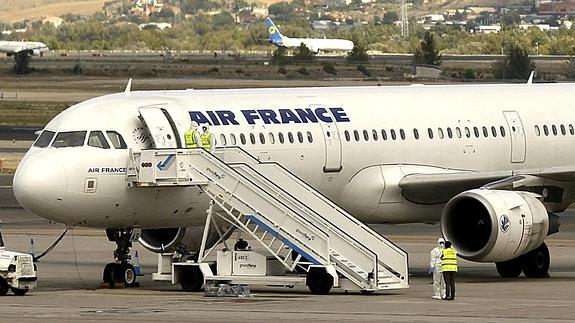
<point x="23" y="47"/>
<point x="314" y="44"/>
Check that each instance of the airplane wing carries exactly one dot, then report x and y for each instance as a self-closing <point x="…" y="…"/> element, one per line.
<point x="441" y="187"/>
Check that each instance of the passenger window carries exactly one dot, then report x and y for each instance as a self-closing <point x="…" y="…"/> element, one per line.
<point x="69" y="139"/>
<point x="476" y="132"/>
<point x="356" y="135"/>
<point x="546" y="130"/>
<point x="502" y="131"/>
<point x="402" y="134"/>
<point x="262" y="139"/>
<point x="563" y="132"/>
<point x="467" y="132"/>
<point x="223" y="139"/>
<point x="374" y="134"/>
<point x="346" y="134"/>
<point x="271" y="138"/>
<point x="116" y="140"/>
<point x="252" y="138"/>
<point x="393" y="136"/>
<point x="554" y="129"/>
<point x="242" y="139"/>
<point x="383" y="134"/>
<point x="233" y="139"/>
<point x="571" y="130"/>
<point x="97" y="139"/>
<point x="309" y="137"/>
<point x="537" y="131"/>
<point x="281" y="137"/>
<point x="430" y="133"/>
<point x="365" y="135"/>
<point x="449" y="133"/>
<point x="415" y="133"/>
<point x="494" y="132"/>
<point x="485" y="132"/>
<point x="300" y="137"/>
<point x="290" y="137"/>
<point x="458" y="132"/>
<point x="44" y="139"/>
<point x="440" y="133"/>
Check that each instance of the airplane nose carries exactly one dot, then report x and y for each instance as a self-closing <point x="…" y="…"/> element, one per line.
<point x="40" y="186"/>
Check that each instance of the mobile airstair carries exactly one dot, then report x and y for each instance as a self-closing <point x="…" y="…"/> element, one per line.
<point x="292" y="221"/>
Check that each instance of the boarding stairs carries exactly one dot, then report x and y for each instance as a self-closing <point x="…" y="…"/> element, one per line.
<point x="292" y="221"/>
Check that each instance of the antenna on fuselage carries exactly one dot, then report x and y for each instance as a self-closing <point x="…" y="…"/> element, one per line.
<point x="128" y="87"/>
<point x="530" y="80"/>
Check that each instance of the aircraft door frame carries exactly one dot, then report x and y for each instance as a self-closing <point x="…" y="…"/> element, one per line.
<point x="161" y="127"/>
<point x="517" y="135"/>
<point x="332" y="143"/>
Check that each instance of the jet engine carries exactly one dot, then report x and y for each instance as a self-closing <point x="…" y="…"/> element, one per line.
<point x="494" y="226"/>
<point x="35" y="52"/>
<point x="170" y="239"/>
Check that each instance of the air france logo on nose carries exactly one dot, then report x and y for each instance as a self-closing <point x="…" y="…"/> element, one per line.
<point x="271" y="116"/>
<point x="504" y="223"/>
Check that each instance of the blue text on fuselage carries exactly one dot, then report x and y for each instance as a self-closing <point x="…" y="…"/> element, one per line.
<point x="270" y="116"/>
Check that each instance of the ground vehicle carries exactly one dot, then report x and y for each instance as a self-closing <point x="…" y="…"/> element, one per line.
<point x="17" y="272"/>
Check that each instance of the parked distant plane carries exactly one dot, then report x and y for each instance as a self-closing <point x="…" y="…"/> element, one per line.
<point x="23" y="47"/>
<point x="314" y="44"/>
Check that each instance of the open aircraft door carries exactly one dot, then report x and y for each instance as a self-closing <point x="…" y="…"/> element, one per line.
<point x="161" y="126"/>
<point x="332" y="142"/>
<point x="518" y="141"/>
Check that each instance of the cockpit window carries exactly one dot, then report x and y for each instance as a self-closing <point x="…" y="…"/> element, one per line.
<point x="69" y="139"/>
<point x="117" y="140"/>
<point x="44" y="139"/>
<point x="97" y="139"/>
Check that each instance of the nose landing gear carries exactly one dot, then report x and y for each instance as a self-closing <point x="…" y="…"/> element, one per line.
<point x="120" y="272"/>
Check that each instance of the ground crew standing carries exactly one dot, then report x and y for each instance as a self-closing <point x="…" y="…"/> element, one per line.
<point x="435" y="268"/>
<point x="208" y="141"/>
<point x="192" y="136"/>
<point x="449" y="268"/>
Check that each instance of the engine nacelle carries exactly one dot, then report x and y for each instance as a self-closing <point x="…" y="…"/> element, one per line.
<point x="35" y="52"/>
<point x="170" y="239"/>
<point x="493" y="226"/>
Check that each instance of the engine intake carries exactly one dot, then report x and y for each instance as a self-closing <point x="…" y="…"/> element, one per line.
<point x="170" y="239"/>
<point x="493" y="226"/>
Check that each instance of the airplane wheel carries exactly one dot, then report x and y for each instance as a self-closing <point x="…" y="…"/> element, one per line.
<point x="536" y="262"/>
<point x="319" y="281"/>
<point x="191" y="279"/>
<point x="124" y="274"/>
<point x="509" y="269"/>
<point x="108" y="276"/>
<point x="3" y="287"/>
<point x="19" y="292"/>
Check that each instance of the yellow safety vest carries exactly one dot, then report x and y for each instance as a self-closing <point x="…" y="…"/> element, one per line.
<point x="449" y="260"/>
<point x="190" y="138"/>
<point x="206" y="140"/>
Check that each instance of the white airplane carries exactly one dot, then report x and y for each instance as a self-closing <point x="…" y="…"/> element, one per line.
<point x="313" y="44"/>
<point x="491" y="163"/>
<point x="19" y="47"/>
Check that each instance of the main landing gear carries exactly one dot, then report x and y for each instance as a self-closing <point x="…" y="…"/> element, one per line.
<point x="534" y="264"/>
<point x="120" y="272"/>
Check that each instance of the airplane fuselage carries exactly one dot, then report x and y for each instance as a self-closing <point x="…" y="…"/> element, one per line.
<point x="353" y="144"/>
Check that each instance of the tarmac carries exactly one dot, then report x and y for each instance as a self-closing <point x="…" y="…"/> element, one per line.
<point x="69" y="277"/>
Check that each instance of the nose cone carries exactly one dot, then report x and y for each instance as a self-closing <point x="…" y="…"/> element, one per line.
<point x="40" y="186"/>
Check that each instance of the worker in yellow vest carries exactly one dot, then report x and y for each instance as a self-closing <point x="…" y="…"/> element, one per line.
<point x="192" y="136"/>
<point x="449" y="268"/>
<point x="207" y="139"/>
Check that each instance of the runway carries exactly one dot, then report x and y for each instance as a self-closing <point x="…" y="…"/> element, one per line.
<point x="70" y="275"/>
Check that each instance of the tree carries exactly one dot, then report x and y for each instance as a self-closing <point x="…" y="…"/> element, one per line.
<point x="303" y="54"/>
<point x="279" y="56"/>
<point x="390" y="18"/>
<point x="427" y="54"/>
<point x="511" y="17"/>
<point x="517" y="65"/>
<point x="358" y="53"/>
